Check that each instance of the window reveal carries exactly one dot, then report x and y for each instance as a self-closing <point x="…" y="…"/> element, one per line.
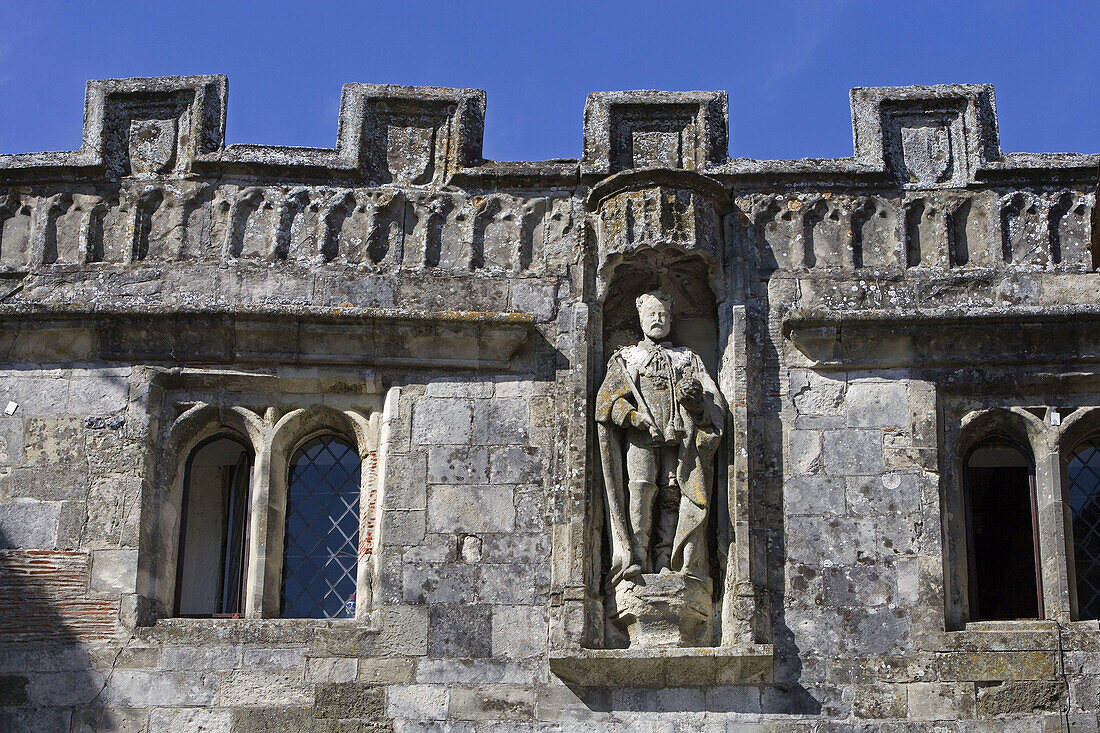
<point x="322" y="531"/>
<point x="211" y="568"/>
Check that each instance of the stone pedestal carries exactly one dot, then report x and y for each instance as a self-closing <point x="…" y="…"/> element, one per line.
<point x="663" y="610"/>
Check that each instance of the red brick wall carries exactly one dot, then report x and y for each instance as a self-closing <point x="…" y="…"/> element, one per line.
<point x="44" y="597"/>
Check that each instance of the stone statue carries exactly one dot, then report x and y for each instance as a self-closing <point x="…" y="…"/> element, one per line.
<point x="659" y="408"/>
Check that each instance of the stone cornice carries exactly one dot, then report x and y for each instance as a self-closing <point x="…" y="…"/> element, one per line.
<point x="286" y="335"/>
<point x="946" y="338"/>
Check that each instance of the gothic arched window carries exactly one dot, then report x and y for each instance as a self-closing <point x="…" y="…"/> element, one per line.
<point x="1083" y="472"/>
<point x="212" y="564"/>
<point x="322" y="530"/>
<point x="1002" y="524"/>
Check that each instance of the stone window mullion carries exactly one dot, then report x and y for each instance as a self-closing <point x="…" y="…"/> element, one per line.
<point x="1053" y="546"/>
<point x="263" y="566"/>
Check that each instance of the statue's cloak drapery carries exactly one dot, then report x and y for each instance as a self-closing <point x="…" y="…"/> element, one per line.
<point x="695" y="448"/>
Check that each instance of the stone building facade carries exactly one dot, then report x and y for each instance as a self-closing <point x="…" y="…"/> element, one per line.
<point x="304" y="439"/>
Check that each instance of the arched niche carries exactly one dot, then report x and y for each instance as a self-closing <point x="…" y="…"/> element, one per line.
<point x="686" y="278"/>
<point x="661" y="229"/>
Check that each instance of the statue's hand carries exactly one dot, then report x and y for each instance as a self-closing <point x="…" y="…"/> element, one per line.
<point x="641" y="422"/>
<point x="691" y="395"/>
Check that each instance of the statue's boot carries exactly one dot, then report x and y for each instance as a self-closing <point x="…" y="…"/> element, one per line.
<point x="642" y="496"/>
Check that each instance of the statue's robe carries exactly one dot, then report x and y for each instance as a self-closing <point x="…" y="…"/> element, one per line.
<point x="697" y="440"/>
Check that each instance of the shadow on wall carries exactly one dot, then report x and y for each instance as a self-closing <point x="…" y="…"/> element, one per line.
<point x="622" y="703"/>
<point x="788" y="695"/>
<point x="49" y="680"/>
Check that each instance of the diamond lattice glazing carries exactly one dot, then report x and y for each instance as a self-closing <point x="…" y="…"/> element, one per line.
<point x="322" y="530"/>
<point x="1084" y="498"/>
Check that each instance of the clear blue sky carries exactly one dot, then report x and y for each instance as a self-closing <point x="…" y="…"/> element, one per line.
<point x="787" y="65"/>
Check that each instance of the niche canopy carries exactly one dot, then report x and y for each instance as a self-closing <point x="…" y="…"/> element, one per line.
<point x="676" y="214"/>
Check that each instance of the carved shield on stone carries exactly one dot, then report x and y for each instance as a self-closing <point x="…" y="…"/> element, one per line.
<point x="410" y="154"/>
<point x="152" y="146"/>
<point x="927" y="152"/>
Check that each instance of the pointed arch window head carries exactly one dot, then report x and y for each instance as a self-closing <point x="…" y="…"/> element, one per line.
<point x="1083" y="473"/>
<point x="322" y="530"/>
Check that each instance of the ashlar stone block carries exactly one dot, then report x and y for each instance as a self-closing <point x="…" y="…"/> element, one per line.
<point x="804" y="452"/>
<point x="417" y="702"/>
<point x="440" y="582"/>
<point x="11" y="441"/>
<point x="186" y="720"/>
<point x="97" y="395"/>
<point x="473" y="508"/>
<point x="458" y="465"/>
<point x="519" y="631"/>
<point x="941" y="700"/>
<point x="814" y="393"/>
<point x="442" y="421"/>
<point x="515" y="464"/>
<point x="852" y="452"/>
<point x="54" y="441"/>
<point x="818" y="495"/>
<point x="139" y="688"/>
<point x="498" y="702"/>
<point x="504" y="421"/>
<point x="460" y="631"/>
<point x="893" y="493"/>
<point x="26" y="523"/>
<point x="877" y="405"/>
<point x="349" y="700"/>
<point x="114" y="571"/>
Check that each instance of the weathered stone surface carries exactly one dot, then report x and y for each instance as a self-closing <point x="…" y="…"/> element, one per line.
<point x="471" y="508"/>
<point x="181" y="720"/>
<point x="461" y="631"/>
<point x="29" y="523"/>
<point x="448" y="465"/>
<point x="869" y="321"/>
<point x="417" y="702"/>
<point x="1015" y="698"/>
<point x="349" y="700"/>
<point x="114" y="571"/>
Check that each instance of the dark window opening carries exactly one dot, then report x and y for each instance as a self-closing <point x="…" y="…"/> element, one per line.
<point x="212" y="564"/>
<point x="321" y="553"/>
<point x="1083" y="472"/>
<point x="1002" y="533"/>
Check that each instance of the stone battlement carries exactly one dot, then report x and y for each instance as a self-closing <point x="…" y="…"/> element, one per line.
<point x="927" y="194"/>
<point x="389" y="134"/>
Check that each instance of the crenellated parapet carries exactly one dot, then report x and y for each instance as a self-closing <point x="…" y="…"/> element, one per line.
<point x="406" y="187"/>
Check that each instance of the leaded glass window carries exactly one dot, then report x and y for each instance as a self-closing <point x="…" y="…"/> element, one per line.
<point x="1083" y="472"/>
<point x="322" y="530"/>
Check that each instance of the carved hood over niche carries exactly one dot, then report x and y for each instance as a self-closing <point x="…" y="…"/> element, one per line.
<point x="671" y="213"/>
